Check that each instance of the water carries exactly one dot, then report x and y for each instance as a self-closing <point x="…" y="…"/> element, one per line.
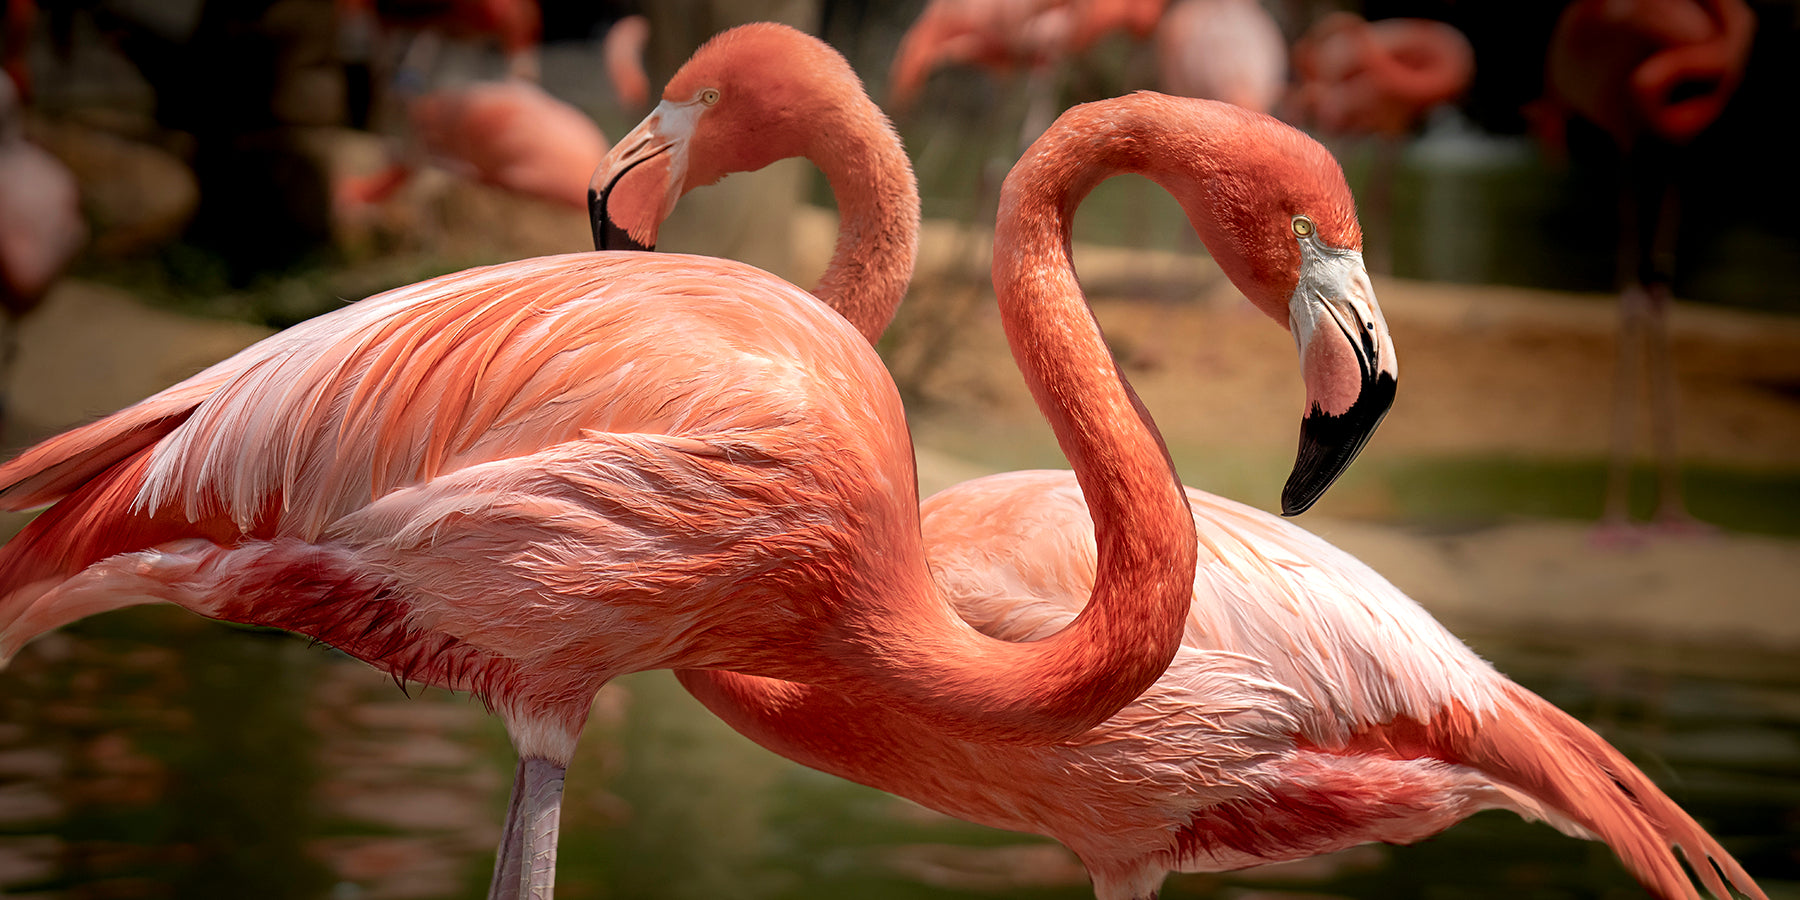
<point x="147" y="753"/>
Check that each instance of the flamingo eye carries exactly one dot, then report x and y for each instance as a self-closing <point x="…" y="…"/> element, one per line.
<point x="709" y="96"/>
<point x="1303" y="226"/>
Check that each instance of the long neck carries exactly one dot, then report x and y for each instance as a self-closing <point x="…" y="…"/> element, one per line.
<point x="950" y="677"/>
<point x="878" y="218"/>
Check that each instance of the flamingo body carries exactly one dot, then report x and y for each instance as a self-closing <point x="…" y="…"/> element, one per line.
<point x="463" y="542"/>
<point x="1228" y="50"/>
<point x="511" y="134"/>
<point x="1002" y="36"/>
<point x="1312" y="707"/>
<point x="41" y="227"/>
<point x="1360" y="77"/>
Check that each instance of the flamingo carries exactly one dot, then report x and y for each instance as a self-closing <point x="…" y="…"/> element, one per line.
<point x="1228" y="50"/>
<point x="623" y="51"/>
<point x="41" y="228"/>
<point x="511" y="134"/>
<point x="1654" y="75"/>
<point x="522" y="480"/>
<point x="1379" y="79"/>
<point x="1312" y="706"/>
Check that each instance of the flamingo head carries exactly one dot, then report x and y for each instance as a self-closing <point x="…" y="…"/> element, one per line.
<point x="1282" y="225"/>
<point x="747" y="98"/>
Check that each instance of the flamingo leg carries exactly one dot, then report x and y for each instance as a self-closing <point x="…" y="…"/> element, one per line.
<point x="1615" y="516"/>
<point x="1648" y="207"/>
<point x="1671" y="508"/>
<point x="525" y="867"/>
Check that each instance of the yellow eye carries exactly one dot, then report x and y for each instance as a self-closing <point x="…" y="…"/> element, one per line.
<point x="1303" y="226"/>
<point x="709" y="96"/>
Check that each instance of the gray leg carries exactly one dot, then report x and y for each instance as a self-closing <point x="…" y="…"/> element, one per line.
<point x="525" y="867"/>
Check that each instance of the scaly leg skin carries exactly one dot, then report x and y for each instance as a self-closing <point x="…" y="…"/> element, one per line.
<point x="525" y="867"/>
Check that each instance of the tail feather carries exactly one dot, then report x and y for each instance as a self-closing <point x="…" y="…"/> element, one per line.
<point x="42" y="568"/>
<point x="1549" y="756"/>
<point x="56" y="467"/>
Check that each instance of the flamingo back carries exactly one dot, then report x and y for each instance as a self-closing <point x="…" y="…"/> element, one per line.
<point x="529" y="426"/>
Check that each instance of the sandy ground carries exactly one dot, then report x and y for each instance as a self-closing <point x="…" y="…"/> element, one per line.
<point x="1485" y="370"/>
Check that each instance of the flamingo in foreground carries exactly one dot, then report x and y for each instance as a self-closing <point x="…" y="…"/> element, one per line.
<point x="523" y="480"/>
<point x="1311" y="707"/>
<point x="1654" y="75"/>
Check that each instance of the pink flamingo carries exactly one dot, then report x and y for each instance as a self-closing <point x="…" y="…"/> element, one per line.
<point x="1360" y="77"/>
<point x="41" y="228"/>
<point x="1228" y="50"/>
<point x="1002" y="36"/>
<point x="1312" y="706"/>
<point x="523" y="480"/>
<point x="623" y="51"/>
<point x="1005" y="37"/>
<point x="1379" y="79"/>
<point x="511" y="134"/>
<point x="1653" y="74"/>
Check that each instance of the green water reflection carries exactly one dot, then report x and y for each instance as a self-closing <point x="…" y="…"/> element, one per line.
<point x="150" y="754"/>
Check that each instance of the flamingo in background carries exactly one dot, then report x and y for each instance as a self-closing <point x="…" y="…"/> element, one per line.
<point x="1002" y="36"/>
<point x="1653" y="74"/>
<point x="523" y="480"/>
<point x="1312" y="705"/>
<point x="511" y="134"/>
<point x="623" y="51"/>
<point x="1380" y="79"/>
<point x="1228" y="50"/>
<point x="41" y="228"/>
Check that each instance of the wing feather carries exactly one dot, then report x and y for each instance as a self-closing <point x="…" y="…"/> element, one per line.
<point x="298" y="430"/>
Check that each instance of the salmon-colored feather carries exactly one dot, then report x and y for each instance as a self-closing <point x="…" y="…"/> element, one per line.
<point x="644" y="461"/>
<point x="1289" y="723"/>
<point x="1304" y="713"/>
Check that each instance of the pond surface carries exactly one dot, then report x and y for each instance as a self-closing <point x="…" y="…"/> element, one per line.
<point x="148" y="753"/>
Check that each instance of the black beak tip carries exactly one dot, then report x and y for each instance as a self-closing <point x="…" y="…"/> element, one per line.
<point x="608" y="236"/>
<point x="1329" y="443"/>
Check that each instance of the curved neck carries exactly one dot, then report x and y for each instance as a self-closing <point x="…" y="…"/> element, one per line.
<point x="878" y="217"/>
<point x="944" y="673"/>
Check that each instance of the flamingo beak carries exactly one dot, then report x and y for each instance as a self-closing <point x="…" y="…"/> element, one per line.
<point x="637" y="184"/>
<point x="1347" y="360"/>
